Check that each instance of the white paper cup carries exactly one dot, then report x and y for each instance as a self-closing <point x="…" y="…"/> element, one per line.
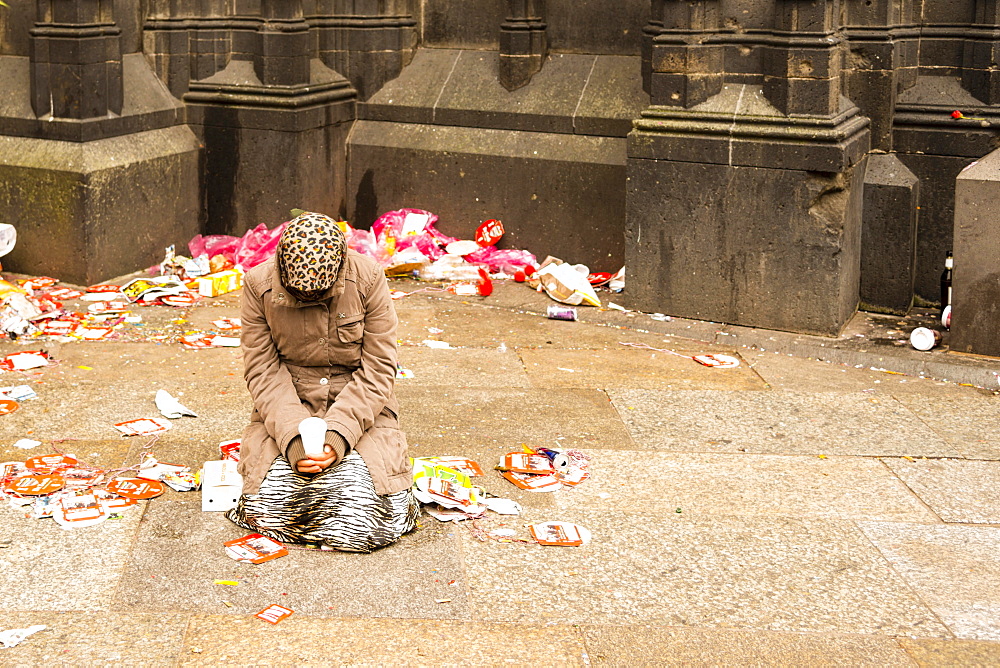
<point x="946" y="316"/>
<point x="923" y="338"/>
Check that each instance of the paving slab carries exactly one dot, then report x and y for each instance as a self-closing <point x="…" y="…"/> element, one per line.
<point x="90" y="409"/>
<point x="111" y="362"/>
<point x="636" y="369"/>
<point x="178" y="555"/>
<point x="462" y="367"/>
<point x="933" y="652"/>
<point x="957" y="490"/>
<point x="972" y="425"/>
<point x="775" y="422"/>
<point x="782" y="371"/>
<point x="748" y="573"/>
<point x="954" y="569"/>
<point x="220" y="640"/>
<point x="85" y="639"/>
<point x="47" y="567"/>
<point x="671" y="646"/>
<point x="446" y="420"/>
<point x="489" y="327"/>
<point x="704" y="485"/>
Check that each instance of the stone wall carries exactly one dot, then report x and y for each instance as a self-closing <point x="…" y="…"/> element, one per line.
<point x="729" y="136"/>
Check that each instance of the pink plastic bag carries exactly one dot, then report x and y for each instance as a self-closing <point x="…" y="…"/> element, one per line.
<point x="249" y="250"/>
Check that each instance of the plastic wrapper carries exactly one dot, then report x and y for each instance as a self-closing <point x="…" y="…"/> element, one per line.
<point x="247" y="251"/>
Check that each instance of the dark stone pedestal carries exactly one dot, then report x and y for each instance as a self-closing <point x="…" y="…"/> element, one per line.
<point x="774" y="248"/>
<point x="889" y="235"/>
<point x="97" y="197"/>
<point x="89" y="211"/>
<point x="269" y="149"/>
<point x="764" y="230"/>
<point x="975" y="320"/>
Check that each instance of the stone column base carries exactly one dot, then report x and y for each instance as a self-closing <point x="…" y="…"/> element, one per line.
<point x="270" y="149"/>
<point x="89" y="211"/>
<point x="738" y="214"/>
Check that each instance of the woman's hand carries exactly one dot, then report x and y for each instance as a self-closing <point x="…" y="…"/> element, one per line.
<point x="318" y="463"/>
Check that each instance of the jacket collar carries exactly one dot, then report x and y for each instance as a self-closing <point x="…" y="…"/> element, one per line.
<point x="284" y="298"/>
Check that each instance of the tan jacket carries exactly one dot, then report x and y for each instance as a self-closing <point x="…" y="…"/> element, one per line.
<point x="334" y="359"/>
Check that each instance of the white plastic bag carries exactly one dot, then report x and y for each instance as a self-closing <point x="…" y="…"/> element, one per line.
<point x="8" y="237"/>
<point x="565" y="284"/>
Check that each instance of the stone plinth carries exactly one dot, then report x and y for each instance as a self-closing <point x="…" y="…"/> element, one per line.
<point x="88" y="211"/>
<point x="975" y="320"/>
<point x="889" y="235"/>
<point x="763" y="230"/>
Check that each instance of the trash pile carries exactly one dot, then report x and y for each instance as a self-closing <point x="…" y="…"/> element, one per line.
<point x="445" y="486"/>
<point x="74" y="494"/>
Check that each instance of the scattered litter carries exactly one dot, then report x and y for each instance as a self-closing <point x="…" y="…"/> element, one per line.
<point x="442" y="600"/>
<point x="8" y="406"/>
<point x="274" y="613"/>
<point x="439" y="345"/>
<point x="566" y="283"/>
<point x="170" y="407"/>
<point x="715" y="360"/>
<point x="617" y="307"/>
<point x="555" y="312"/>
<point x="220" y="283"/>
<point x="18" y="393"/>
<point x="143" y="426"/>
<point x="228" y="324"/>
<point x="15" y="636"/>
<point x="24" y="360"/>
<point x="404" y="373"/>
<point x="923" y="338"/>
<point x="503" y="506"/>
<point x="562" y="534"/>
<point x="254" y="549"/>
<point x="136" y="488"/>
<point x="27" y="444"/>
<point x="221" y="485"/>
<point x="230" y="450"/>
<point x="200" y="341"/>
<point x="545" y="469"/>
<point x="231" y="583"/>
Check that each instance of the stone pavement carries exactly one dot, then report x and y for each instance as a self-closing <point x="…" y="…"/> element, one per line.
<point x="789" y="511"/>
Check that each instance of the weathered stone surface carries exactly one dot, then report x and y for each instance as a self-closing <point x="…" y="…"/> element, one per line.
<point x="975" y="325"/>
<point x="953" y="568"/>
<point x="785" y="258"/>
<point x="888" y="235"/>
<point x="958" y="491"/>
<point x="401" y="165"/>
<point x="75" y="204"/>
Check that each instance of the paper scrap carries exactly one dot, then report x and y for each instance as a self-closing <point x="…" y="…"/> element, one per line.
<point x="440" y="345"/>
<point x="255" y="549"/>
<point x="562" y="534"/>
<point x="170" y="407"/>
<point x="142" y="426"/>
<point x="15" y="636"/>
<point x="503" y="506"/>
<point x="27" y="444"/>
<point x="274" y="613"/>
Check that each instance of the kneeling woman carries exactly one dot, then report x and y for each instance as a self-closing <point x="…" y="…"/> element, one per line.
<point x="319" y="340"/>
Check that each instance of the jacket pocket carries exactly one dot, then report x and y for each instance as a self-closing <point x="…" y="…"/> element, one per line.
<point x="351" y="328"/>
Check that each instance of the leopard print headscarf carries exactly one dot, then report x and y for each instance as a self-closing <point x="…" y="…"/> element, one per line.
<point x="309" y="255"/>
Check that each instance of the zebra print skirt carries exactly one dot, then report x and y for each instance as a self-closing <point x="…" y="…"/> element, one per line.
<point x="337" y="507"/>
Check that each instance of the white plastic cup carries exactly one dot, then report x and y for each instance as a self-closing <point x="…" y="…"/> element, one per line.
<point x="946" y="316"/>
<point x="923" y="338"/>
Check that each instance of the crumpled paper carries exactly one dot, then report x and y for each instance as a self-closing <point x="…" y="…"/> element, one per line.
<point x="15" y="636"/>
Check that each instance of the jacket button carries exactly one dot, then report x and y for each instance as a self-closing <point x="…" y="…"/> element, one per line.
<point x="323" y="381"/>
<point x="322" y="339"/>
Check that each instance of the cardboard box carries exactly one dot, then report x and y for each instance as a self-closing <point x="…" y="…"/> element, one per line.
<point x="221" y="485"/>
<point x="220" y="283"/>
